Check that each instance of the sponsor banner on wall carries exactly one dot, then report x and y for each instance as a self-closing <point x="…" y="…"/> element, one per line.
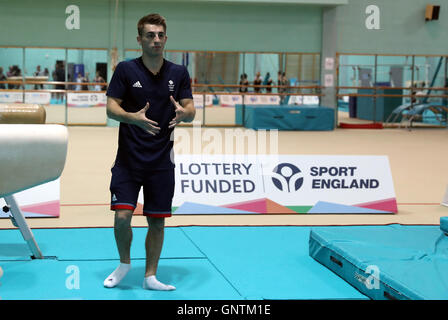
<point x="86" y="99"/>
<point x="230" y="100"/>
<point x="311" y="100"/>
<point x="251" y="100"/>
<point x="38" y="97"/>
<point x="38" y="202"/>
<point x="303" y="100"/>
<point x="270" y="100"/>
<point x="11" y="97"/>
<point x="282" y="184"/>
<point x="209" y="100"/>
<point x="261" y="100"/>
<point x="295" y="100"/>
<point x="198" y="101"/>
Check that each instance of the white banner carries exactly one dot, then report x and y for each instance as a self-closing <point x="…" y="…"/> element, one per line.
<point x="320" y="182"/>
<point x="273" y="99"/>
<point x="11" y="97"/>
<point x="40" y="201"/>
<point x="311" y="100"/>
<point x="252" y="100"/>
<point x="38" y="97"/>
<point x="295" y="100"/>
<point x="198" y="100"/>
<point x="261" y="100"/>
<point x="209" y="100"/>
<point x="230" y="100"/>
<point x="86" y="99"/>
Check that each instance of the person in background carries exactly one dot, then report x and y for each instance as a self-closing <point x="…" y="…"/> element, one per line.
<point x="59" y="75"/>
<point x="284" y="82"/>
<point x="98" y="79"/>
<point x="85" y="79"/>
<point x="268" y="82"/>
<point x="9" y="74"/>
<point x="2" y="78"/>
<point x="279" y="81"/>
<point x="18" y="73"/>
<point x="38" y="73"/>
<point x="257" y="82"/>
<point x="79" y="80"/>
<point x="46" y="73"/>
<point x="243" y="82"/>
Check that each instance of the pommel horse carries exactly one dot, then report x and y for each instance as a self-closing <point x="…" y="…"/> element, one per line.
<point x="31" y="153"/>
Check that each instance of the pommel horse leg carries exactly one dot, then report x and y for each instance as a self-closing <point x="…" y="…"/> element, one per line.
<point x="18" y="219"/>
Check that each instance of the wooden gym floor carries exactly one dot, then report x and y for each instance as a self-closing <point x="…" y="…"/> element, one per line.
<point x="418" y="160"/>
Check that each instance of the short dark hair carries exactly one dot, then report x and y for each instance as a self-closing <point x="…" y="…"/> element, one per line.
<point x="152" y="18"/>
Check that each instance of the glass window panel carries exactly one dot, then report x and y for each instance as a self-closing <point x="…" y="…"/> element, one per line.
<point x="262" y="69"/>
<point x="41" y="62"/>
<point x="11" y="61"/>
<point x="217" y="68"/>
<point x="184" y="58"/>
<point x="86" y="65"/>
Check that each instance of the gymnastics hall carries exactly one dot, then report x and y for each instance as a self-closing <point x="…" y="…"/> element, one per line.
<point x="315" y="167"/>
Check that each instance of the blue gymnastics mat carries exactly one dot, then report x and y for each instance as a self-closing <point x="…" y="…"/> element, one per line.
<point x="270" y="263"/>
<point x="204" y="263"/>
<point x="195" y="279"/>
<point x="91" y="244"/>
<point x="394" y="262"/>
<point x="285" y="117"/>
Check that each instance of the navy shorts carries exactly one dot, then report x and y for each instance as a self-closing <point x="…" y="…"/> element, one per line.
<point x="158" y="190"/>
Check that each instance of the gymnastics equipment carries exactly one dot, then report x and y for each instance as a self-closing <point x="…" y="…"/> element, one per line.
<point x="31" y="155"/>
<point x="22" y="114"/>
<point x="444" y="224"/>
<point x="445" y="198"/>
<point x="394" y="262"/>
<point x="415" y="112"/>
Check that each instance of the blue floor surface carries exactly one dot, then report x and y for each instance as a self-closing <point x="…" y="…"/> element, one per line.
<point x="204" y="263"/>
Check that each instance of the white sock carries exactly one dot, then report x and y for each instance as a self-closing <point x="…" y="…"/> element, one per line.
<point x="115" y="277"/>
<point x="151" y="283"/>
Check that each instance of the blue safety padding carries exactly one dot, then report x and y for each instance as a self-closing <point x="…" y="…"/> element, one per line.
<point x="386" y="262"/>
<point x="194" y="279"/>
<point x="444" y="224"/>
<point x="285" y="117"/>
<point x="239" y="111"/>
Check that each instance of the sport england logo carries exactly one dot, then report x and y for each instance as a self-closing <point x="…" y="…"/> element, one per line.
<point x="287" y="177"/>
<point x="171" y="85"/>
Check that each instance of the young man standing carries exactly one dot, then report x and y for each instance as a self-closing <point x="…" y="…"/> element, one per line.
<point x="149" y="96"/>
